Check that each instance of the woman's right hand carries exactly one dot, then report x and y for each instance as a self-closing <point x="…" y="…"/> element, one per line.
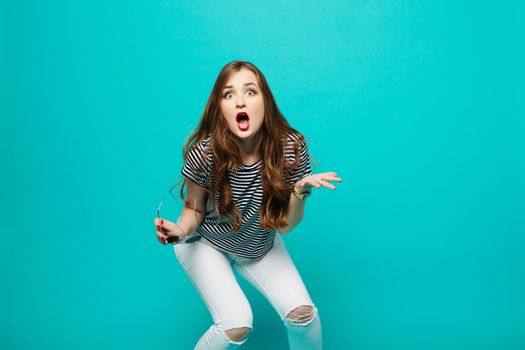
<point x="167" y="229"/>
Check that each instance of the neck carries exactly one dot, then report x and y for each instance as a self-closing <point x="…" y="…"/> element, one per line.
<point x="249" y="148"/>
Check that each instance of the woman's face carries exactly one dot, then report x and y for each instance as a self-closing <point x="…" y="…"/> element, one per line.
<point x="242" y="104"/>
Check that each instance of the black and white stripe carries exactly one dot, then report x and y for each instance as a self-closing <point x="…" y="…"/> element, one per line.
<point x="252" y="241"/>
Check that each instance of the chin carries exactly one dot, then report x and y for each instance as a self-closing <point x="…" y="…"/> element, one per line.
<point x="244" y="134"/>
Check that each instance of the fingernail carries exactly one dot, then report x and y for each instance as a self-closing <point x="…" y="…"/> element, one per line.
<point x="161" y="221"/>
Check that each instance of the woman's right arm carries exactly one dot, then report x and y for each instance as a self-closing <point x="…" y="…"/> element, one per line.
<point x="190" y="217"/>
<point x="193" y="213"/>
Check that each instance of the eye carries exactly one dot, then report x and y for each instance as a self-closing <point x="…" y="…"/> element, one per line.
<point x="250" y="92"/>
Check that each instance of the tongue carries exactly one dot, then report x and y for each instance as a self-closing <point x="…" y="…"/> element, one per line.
<point x="243" y="124"/>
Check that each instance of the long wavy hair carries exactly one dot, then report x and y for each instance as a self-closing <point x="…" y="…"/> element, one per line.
<point x="271" y="138"/>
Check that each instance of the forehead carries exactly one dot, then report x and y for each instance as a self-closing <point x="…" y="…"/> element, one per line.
<point x="241" y="77"/>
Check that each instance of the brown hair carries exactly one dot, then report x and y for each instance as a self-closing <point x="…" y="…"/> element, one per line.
<point x="271" y="138"/>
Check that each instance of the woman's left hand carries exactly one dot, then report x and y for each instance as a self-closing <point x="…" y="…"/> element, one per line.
<point x="317" y="180"/>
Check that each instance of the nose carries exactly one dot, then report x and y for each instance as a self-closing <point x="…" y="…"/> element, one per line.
<point x="240" y="101"/>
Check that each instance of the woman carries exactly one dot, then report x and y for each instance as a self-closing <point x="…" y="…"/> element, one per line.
<point x="247" y="176"/>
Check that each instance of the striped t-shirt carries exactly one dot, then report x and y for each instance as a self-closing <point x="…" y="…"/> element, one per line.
<point x="251" y="241"/>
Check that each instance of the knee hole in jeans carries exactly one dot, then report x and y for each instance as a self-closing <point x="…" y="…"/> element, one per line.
<point x="301" y="315"/>
<point x="238" y="334"/>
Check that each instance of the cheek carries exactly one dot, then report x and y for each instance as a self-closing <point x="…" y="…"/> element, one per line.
<point x="224" y="112"/>
<point x="260" y="109"/>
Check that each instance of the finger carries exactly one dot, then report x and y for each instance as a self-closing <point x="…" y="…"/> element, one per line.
<point x="313" y="183"/>
<point x="162" y="239"/>
<point x="159" y="221"/>
<point x="331" y="178"/>
<point x="161" y="232"/>
<point x="329" y="173"/>
<point x="326" y="184"/>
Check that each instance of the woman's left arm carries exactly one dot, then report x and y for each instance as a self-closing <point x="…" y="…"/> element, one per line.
<point x="305" y="185"/>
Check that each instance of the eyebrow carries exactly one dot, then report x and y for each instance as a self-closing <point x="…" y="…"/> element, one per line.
<point x="230" y="86"/>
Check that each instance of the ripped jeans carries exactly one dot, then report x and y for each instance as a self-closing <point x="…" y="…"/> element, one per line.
<point x="274" y="275"/>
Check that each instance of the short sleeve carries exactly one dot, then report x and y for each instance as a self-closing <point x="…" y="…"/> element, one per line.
<point x="303" y="169"/>
<point x="197" y="164"/>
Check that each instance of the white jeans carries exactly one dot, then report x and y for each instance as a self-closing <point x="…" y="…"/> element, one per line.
<point x="274" y="275"/>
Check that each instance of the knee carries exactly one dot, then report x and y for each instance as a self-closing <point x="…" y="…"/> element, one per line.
<point x="238" y="334"/>
<point x="301" y="315"/>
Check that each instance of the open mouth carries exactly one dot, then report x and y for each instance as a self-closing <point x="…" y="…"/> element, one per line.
<point x="243" y="121"/>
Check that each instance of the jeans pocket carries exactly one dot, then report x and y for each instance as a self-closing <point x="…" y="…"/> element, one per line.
<point x="179" y="250"/>
<point x="187" y="252"/>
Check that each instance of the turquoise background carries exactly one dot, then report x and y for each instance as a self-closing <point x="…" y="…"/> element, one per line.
<point x="418" y="105"/>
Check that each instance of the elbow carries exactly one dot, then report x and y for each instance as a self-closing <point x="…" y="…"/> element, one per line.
<point x="284" y="230"/>
<point x="288" y="228"/>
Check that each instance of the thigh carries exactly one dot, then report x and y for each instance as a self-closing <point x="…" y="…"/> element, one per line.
<point x="211" y="273"/>
<point x="277" y="278"/>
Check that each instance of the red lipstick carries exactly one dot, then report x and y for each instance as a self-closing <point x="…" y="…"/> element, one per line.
<point x="243" y="121"/>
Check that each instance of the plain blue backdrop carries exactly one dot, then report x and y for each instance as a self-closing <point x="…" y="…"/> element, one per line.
<point x="418" y="105"/>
